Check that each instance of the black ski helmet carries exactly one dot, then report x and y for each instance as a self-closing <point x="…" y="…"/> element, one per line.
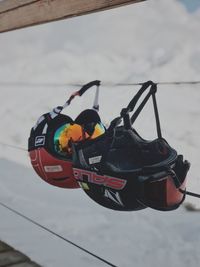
<point x="122" y="171"/>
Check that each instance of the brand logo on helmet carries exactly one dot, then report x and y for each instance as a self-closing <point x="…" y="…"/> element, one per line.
<point x="39" y="140"/>
<point x="94" y="160"/>
<point x="113" y="196"/>
<point x="92" y="177"/>
<point x="53" y="168"/>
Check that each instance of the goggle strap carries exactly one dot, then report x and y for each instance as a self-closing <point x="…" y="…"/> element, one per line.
<point x="162" y="175"/>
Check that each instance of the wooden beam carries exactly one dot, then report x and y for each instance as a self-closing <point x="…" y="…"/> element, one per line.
<point x="15" y="14"/>
<point x="12" y="4"/>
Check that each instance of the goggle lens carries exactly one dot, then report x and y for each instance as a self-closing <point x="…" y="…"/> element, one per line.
<point x="99" y="129"/>
<point x="73" y="133"/>
<point x="162" y="194"/>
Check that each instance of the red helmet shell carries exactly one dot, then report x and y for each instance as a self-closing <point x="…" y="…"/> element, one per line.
<point x="52" y="170"/>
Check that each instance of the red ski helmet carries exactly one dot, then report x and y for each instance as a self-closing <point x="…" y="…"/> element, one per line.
<point x="53" y="167"/>
<point x="52" y="170"/>
<point x="51" y="138"/>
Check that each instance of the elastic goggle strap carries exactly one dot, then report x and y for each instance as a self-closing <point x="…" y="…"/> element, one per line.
<point x="164" y="174"/>
<point x="56" y="111"/>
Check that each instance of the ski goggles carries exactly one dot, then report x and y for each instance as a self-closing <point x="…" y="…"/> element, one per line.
<point x="69" y="133"/>
<point x="162" y="191"/>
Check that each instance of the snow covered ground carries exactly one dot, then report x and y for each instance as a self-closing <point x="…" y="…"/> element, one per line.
<point x="155" y="40"/>
<point x="145" y="238"/>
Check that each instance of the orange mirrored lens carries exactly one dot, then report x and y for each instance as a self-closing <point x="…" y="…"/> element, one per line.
<point x="99" y="129"/>
<point x="74" y="133"/>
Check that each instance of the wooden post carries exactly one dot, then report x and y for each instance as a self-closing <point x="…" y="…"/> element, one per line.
<point x="15" y="14"/>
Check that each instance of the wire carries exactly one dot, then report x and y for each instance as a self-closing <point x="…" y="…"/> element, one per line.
<point x="13" y="146"/>
<point x="189" y="193"/>
<point x="55" y="234"/>
<point x="44" y="227"/>
<point x="79" y="84"/>
<point x="163" y="83"/>
<point x="39" y="84"/>
<point x="35" y="84"/>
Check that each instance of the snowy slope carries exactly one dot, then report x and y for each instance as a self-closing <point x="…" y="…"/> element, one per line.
<point x="155" y="40"/>
<point x="145" y="238"/>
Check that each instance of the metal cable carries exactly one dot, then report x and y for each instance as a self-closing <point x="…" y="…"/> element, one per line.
<point x="79" y="84"/>
<point x="56" y="234"/>
<point x="13" y="146"/>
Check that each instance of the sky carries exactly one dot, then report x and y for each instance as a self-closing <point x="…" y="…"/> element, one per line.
<point x="191" y="5"/>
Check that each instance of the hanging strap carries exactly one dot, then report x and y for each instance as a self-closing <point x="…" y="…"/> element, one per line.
<point x="125" y="111"/>
<point x="56" y="111"/>
<point x="135" y="99"/>
<point x="131" y="106"/>
<point x="82" y="90"/>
